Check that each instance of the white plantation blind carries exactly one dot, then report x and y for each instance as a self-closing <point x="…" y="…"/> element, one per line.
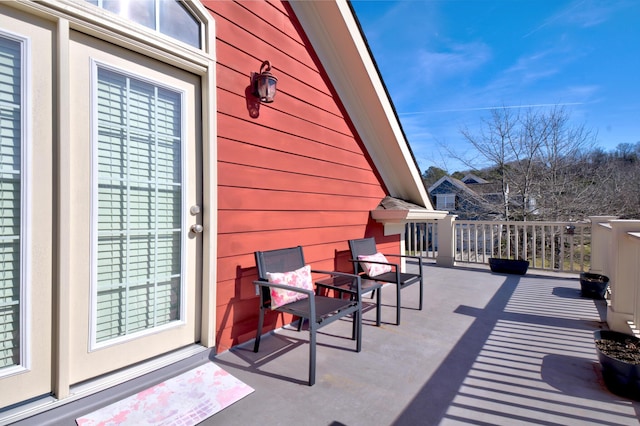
<point x="10" y="200"/>
<point x="139" y="198"/>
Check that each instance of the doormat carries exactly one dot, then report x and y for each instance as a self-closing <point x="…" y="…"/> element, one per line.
<point x="183" y="400"/>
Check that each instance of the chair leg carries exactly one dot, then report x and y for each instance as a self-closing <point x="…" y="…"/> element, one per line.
<point x="378" y="307"/>
<point x="312" y="353"/>
<point x="421" y="292"/>
<point x="398" y="304"/>
<point x="357" y="322"/>
<point x="353" y="325"/>
<point x="256" y="345"/>
<point x="300" y="322"/>
<point x="354" y="331"/>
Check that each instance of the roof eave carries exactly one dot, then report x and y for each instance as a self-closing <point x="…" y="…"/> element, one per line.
<point x="413" y="215"/>
<point x="394" y="221"/>
<point x="335" y="35"/>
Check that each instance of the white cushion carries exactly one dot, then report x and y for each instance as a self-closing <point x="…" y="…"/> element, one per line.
<point x="375" y="269"/>
<point x="300" y="278"/>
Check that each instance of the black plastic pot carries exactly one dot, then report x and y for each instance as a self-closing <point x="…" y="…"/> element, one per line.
<point x="593" y="286"/>
<point x="508" y="266"/>
<point x="621" y="378"/>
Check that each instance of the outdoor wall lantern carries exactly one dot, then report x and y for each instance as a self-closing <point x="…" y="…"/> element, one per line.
<point x="264" y="84"/>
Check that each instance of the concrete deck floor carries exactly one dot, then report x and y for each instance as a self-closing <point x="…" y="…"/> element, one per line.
<point x="487" y="349"/>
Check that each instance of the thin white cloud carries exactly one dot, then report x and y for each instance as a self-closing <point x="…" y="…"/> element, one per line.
<point x="524" y="77"/>
<point x="582" y="92"/>
<point x="589" y="13"/>
<point x="485" y="108"/>
<point x="458" y="59"/>
<point x="540" y="59"/>
<point x="582" y="14"/>
<point x="532" y="67"/>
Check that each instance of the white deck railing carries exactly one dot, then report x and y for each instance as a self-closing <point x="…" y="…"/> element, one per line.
<point x="605" y="245"/>
<point x="558" y="246"/>
<point x="421" y="239"/>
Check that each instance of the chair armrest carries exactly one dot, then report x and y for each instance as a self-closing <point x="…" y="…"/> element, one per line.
<point x="311" y="301"/>
<point x="401" y="255"/>
<point x="408" y="256"/>
<point x="334" y="273"/>
<point x="396" y="265"/>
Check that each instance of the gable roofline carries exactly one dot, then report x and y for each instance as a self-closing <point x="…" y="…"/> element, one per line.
<point x="455" y="182"/>
<point x="334" y="32"/>
<point x="474" y="177"/>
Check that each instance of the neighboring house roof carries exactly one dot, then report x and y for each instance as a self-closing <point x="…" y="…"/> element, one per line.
<point x="487" y="187"/>
<point x="479" y="198"/>
<point x="333" y="30"/>
<point x="453" y="181"/>
<point x="471" y="178"/>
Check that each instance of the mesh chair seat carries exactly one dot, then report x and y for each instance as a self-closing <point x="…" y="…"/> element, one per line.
<point x="326" y="307"/>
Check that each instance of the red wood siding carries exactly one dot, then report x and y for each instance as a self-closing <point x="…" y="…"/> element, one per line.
<point x="295" y="174"/>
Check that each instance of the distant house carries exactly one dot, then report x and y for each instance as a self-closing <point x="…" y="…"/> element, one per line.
<point x="474" y="198"/>
<point x="140" y="173"/>
<point x="470" y="198"/>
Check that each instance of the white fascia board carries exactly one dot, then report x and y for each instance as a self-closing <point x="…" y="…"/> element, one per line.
<point x="412" y="215"/>
<point x="438" y="183"/>
<point x="394" y="221"/>
<point x="474" y="177"/>
<point x="336" y="38"/>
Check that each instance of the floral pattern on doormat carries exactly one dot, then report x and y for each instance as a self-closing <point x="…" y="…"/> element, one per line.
<point x="183" y="400"/>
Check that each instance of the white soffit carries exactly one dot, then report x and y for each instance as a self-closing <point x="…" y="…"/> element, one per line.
<point x="335" y="36"/>
<point x="414" y="215"/>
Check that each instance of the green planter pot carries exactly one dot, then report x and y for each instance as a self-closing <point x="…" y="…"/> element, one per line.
<point x="621" y="377"/>
<point x="593" y="286"/>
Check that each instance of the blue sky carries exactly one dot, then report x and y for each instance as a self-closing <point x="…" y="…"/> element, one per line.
<point x="446" y="63"/>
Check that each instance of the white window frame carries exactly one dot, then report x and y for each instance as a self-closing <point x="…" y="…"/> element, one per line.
<point x="93" y="344"/>
<point x="25" y="205"/>
<point x="443" y="203"/>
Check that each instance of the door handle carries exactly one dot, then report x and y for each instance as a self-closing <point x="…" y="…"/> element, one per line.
<point x="196" y="228"/>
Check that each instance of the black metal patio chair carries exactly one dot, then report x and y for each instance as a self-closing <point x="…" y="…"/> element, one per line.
<point x="389" y="273"/>
<point x="281" y="289"/>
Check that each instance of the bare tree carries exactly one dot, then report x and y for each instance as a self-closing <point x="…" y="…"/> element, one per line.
<point x="494" y="143"/>
<point x="533" y="131"/>
<point x="538" y="157"/>
<point x="565" y="188"/>
<point x="619" y="186"/>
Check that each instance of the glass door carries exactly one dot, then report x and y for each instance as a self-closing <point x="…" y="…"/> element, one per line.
<point x="136" y="196"/>
<point x="26" y="208"/>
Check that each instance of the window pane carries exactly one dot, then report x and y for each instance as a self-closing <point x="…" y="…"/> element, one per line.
<point x="169" y="17"/>
<point x="10" y="201"/>
<point x="177" y="22"/>
<point x="139" y="205"/>
<point x="446" y="202"/>
<point x="141" y="11"/>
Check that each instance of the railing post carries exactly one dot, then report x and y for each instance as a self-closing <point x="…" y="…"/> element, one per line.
<point x="446" y="246"/>
<point x="622" y="279"/>
<point x="634" y="238"/>
<point x="600" y="244"/>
